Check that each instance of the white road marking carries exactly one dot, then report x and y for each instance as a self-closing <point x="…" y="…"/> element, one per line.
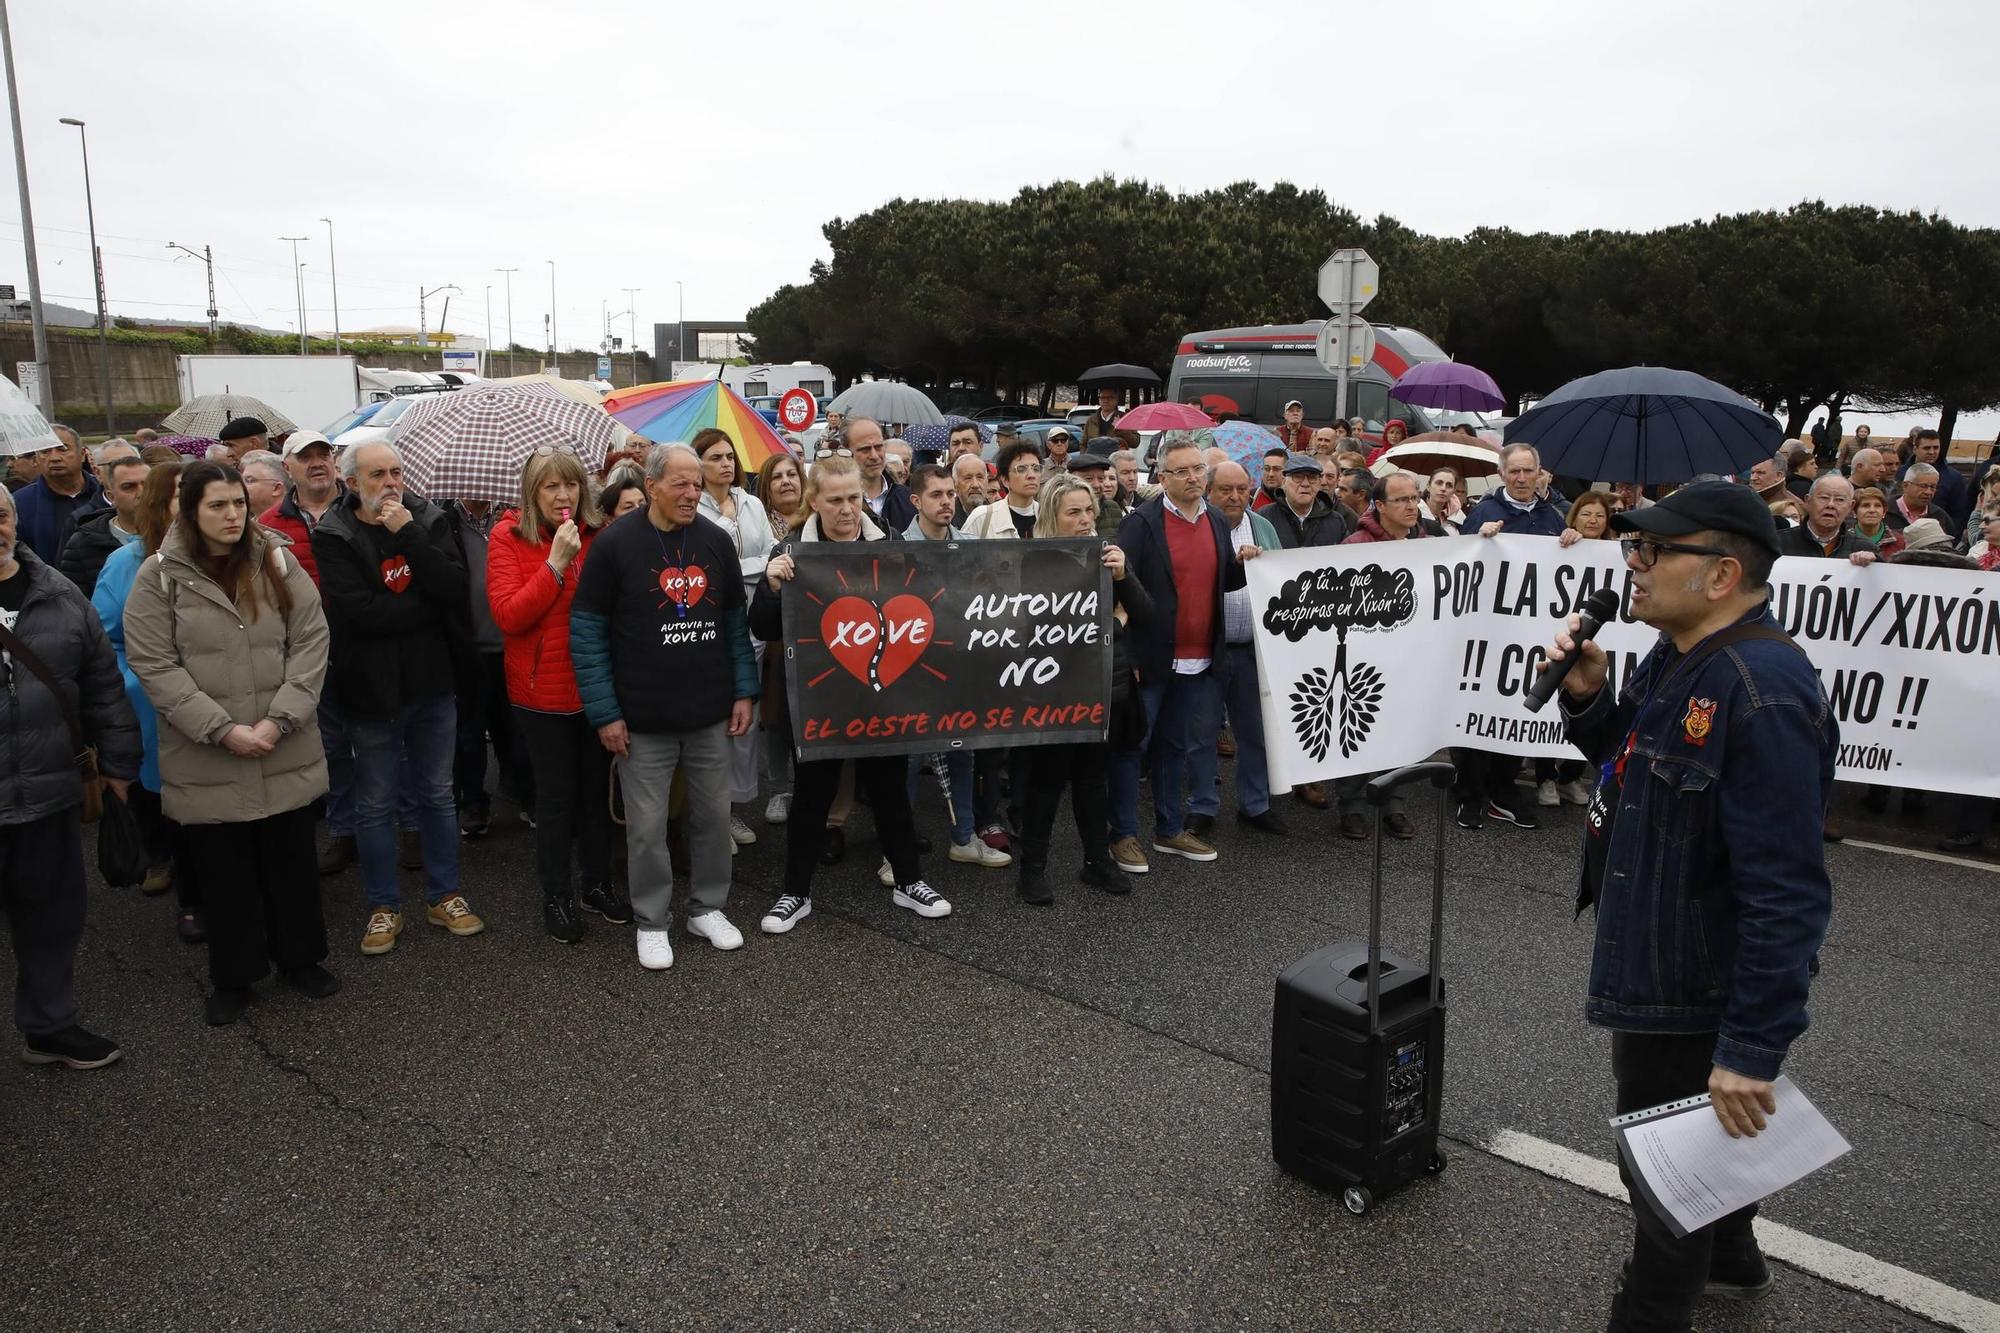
<point x="1837" y="1264"/>
<point x="1988" y="866"/>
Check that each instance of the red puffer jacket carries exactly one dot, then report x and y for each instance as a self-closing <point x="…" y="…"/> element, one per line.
<point x="532" y="610"/>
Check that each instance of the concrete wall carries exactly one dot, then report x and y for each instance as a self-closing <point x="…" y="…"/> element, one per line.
<point x="145" y="378"/>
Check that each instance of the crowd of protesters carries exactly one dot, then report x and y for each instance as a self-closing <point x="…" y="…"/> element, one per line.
<point x="283" y="635"/>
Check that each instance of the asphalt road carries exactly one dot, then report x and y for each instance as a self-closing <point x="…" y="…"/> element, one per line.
<point x="1012" y="1117"/>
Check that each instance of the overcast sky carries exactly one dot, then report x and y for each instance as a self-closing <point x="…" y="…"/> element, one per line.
<point x="647" y="144"/>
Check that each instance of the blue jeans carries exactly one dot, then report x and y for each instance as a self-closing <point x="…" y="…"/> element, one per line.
<point x="958" y="766"/>
<point x="1246" y="720"/>
<point x="426" y="733"/>
<point x="1179" y="710"/>
<point x="339" y="747"/>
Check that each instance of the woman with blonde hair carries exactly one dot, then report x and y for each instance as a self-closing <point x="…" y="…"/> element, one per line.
<point x="533" y="562"/>
<point x="224" y="630"/>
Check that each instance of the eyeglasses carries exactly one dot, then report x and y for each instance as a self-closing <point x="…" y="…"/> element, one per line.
<point x="1645" y="552"/>
<point x="546" y="451"/>
<point x="1186" y="473"/>
<point x="825" y="452"/>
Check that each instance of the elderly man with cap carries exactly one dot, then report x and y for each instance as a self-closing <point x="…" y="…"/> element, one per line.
<point x="243" y="435"/>
<point x="1306" y="517"/>
<point x="1293" y="432"/>
<point x="1095" y="471"/>
<point x="1702" y="857"/>
<point x="1058" y="443"/>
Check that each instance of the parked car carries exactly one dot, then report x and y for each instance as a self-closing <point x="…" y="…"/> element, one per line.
<point x="999" y="412"/>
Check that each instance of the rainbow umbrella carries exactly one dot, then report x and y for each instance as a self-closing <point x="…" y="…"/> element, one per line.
<point x="676" y="410"/>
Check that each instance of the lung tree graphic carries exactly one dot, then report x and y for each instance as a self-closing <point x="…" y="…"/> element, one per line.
<point x="1340" y="706"/>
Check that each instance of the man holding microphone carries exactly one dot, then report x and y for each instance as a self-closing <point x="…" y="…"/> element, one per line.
<point x="1702" y="856"/>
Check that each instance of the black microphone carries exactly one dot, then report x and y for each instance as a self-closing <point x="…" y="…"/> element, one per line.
<point x="1599" y="607"/>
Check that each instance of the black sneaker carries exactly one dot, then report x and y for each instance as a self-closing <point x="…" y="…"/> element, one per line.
<point x="787" y="912"/>
<point x="73" y="1047"/>
<point x="920" y="898"/>
<point x="606" y="901"/>
<point x="312" y="981"/>
<point x="1744" y="1278"/>
<point x="1033" y="889"/>
<point x="1469" y="815"/>
<point x="225" y="1005"/>
<point x="560" y="919"/>
<point x="1955" y="842"/>
<point x="1105" y="875"/>
<point x="1266" y="822"/>
<point x="474" y="821"/>
<point x="1200" y="825"/>
<point x="1507" y="814"/>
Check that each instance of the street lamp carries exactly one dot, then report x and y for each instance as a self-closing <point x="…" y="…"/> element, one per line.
<point x="510" y="272"/>
<point x="423" y="327"/>
<point x="555" y="357"/>
<point x="97" y="264"/>
<point x="485" y="360"/>
<point x="296" y="265"/>
<point x="44" y="383"/>
<point x="207" y="257"/>
<point x="632" y="309"/>
<point x="334" y="271"/>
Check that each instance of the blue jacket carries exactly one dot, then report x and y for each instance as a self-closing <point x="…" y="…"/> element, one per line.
<point x="114" y="584"/>
<point x="1715" y="894"/>
<point x="899" y="508"/>
<point x="1143" y="538"/>
<point x="41" y="531"/>
<point x="1546" y="519"/>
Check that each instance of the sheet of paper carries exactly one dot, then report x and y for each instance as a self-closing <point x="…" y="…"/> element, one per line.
<point x="1694" y="1173"/>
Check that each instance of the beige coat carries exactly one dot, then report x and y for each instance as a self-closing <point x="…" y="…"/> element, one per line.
<point x="207" y="667"/>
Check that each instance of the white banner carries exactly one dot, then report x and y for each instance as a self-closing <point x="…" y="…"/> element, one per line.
<point x="1370" y="657"/>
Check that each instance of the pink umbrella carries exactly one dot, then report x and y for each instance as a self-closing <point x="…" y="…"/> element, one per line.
<point x="1165" y="416"/>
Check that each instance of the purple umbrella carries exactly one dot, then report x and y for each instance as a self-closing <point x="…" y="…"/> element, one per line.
<point x="1451" y="385"/>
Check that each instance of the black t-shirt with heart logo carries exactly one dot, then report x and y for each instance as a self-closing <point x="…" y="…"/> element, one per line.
<point x="664" y="596"/>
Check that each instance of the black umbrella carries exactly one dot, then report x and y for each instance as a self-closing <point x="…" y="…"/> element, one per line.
<point x="1117" y="377"/>
<point x="1647" y="424"/>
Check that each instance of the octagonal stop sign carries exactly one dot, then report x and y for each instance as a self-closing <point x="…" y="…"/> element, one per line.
<point x="1341" y="293"/>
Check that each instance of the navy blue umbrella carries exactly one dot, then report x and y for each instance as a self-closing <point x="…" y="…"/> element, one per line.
<point x="1646" y="424"/>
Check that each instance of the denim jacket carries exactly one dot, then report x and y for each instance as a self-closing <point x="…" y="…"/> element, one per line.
<point x="1715" y="894"/>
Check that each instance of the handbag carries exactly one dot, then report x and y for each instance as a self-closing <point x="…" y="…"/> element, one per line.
<point x="86" y="754"/>
<point x="121" y="847"/>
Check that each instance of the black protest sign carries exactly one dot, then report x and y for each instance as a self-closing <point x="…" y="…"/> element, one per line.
<point x="1340" y="704"/>
<point x="913" y="647"/>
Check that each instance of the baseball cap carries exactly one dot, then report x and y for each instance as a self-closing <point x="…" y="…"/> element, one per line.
<point x="1704" y="506"/>
<point x="1295" y="403"/>
<point x="1302" y="465"/>
<point x="1059" y="430"/>
<point x="300" y="440"/>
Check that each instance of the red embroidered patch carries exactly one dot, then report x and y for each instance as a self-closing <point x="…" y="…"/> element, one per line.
<point x="1699" y="721"/>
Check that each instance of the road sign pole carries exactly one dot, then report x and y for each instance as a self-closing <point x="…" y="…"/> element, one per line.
<point x="1346" y="317"/>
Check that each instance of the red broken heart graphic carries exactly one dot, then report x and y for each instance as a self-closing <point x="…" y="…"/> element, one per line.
<point x="684" y="586"/>
<point x="877" y="646"/>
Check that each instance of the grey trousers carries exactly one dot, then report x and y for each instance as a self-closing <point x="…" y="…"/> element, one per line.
<point x="647" y="775"/>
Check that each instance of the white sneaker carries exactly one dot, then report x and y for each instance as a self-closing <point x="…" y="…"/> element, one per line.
<point x="716" y="929"/>
<point x="655" y="953"/>
<point x="779" y="809"/>
<point x="785" y="913"/>
<point x="1576" y="793"/>
<point x="922" y="899"/>
<point x="1545" y="793"/>
<point x="977" y="853"/>
<point x="741" y="832"/>
<point x="886" y="875"/>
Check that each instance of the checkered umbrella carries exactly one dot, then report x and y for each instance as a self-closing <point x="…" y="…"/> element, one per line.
<point x="206" y="414"/>
<point x="474" y="444"/>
